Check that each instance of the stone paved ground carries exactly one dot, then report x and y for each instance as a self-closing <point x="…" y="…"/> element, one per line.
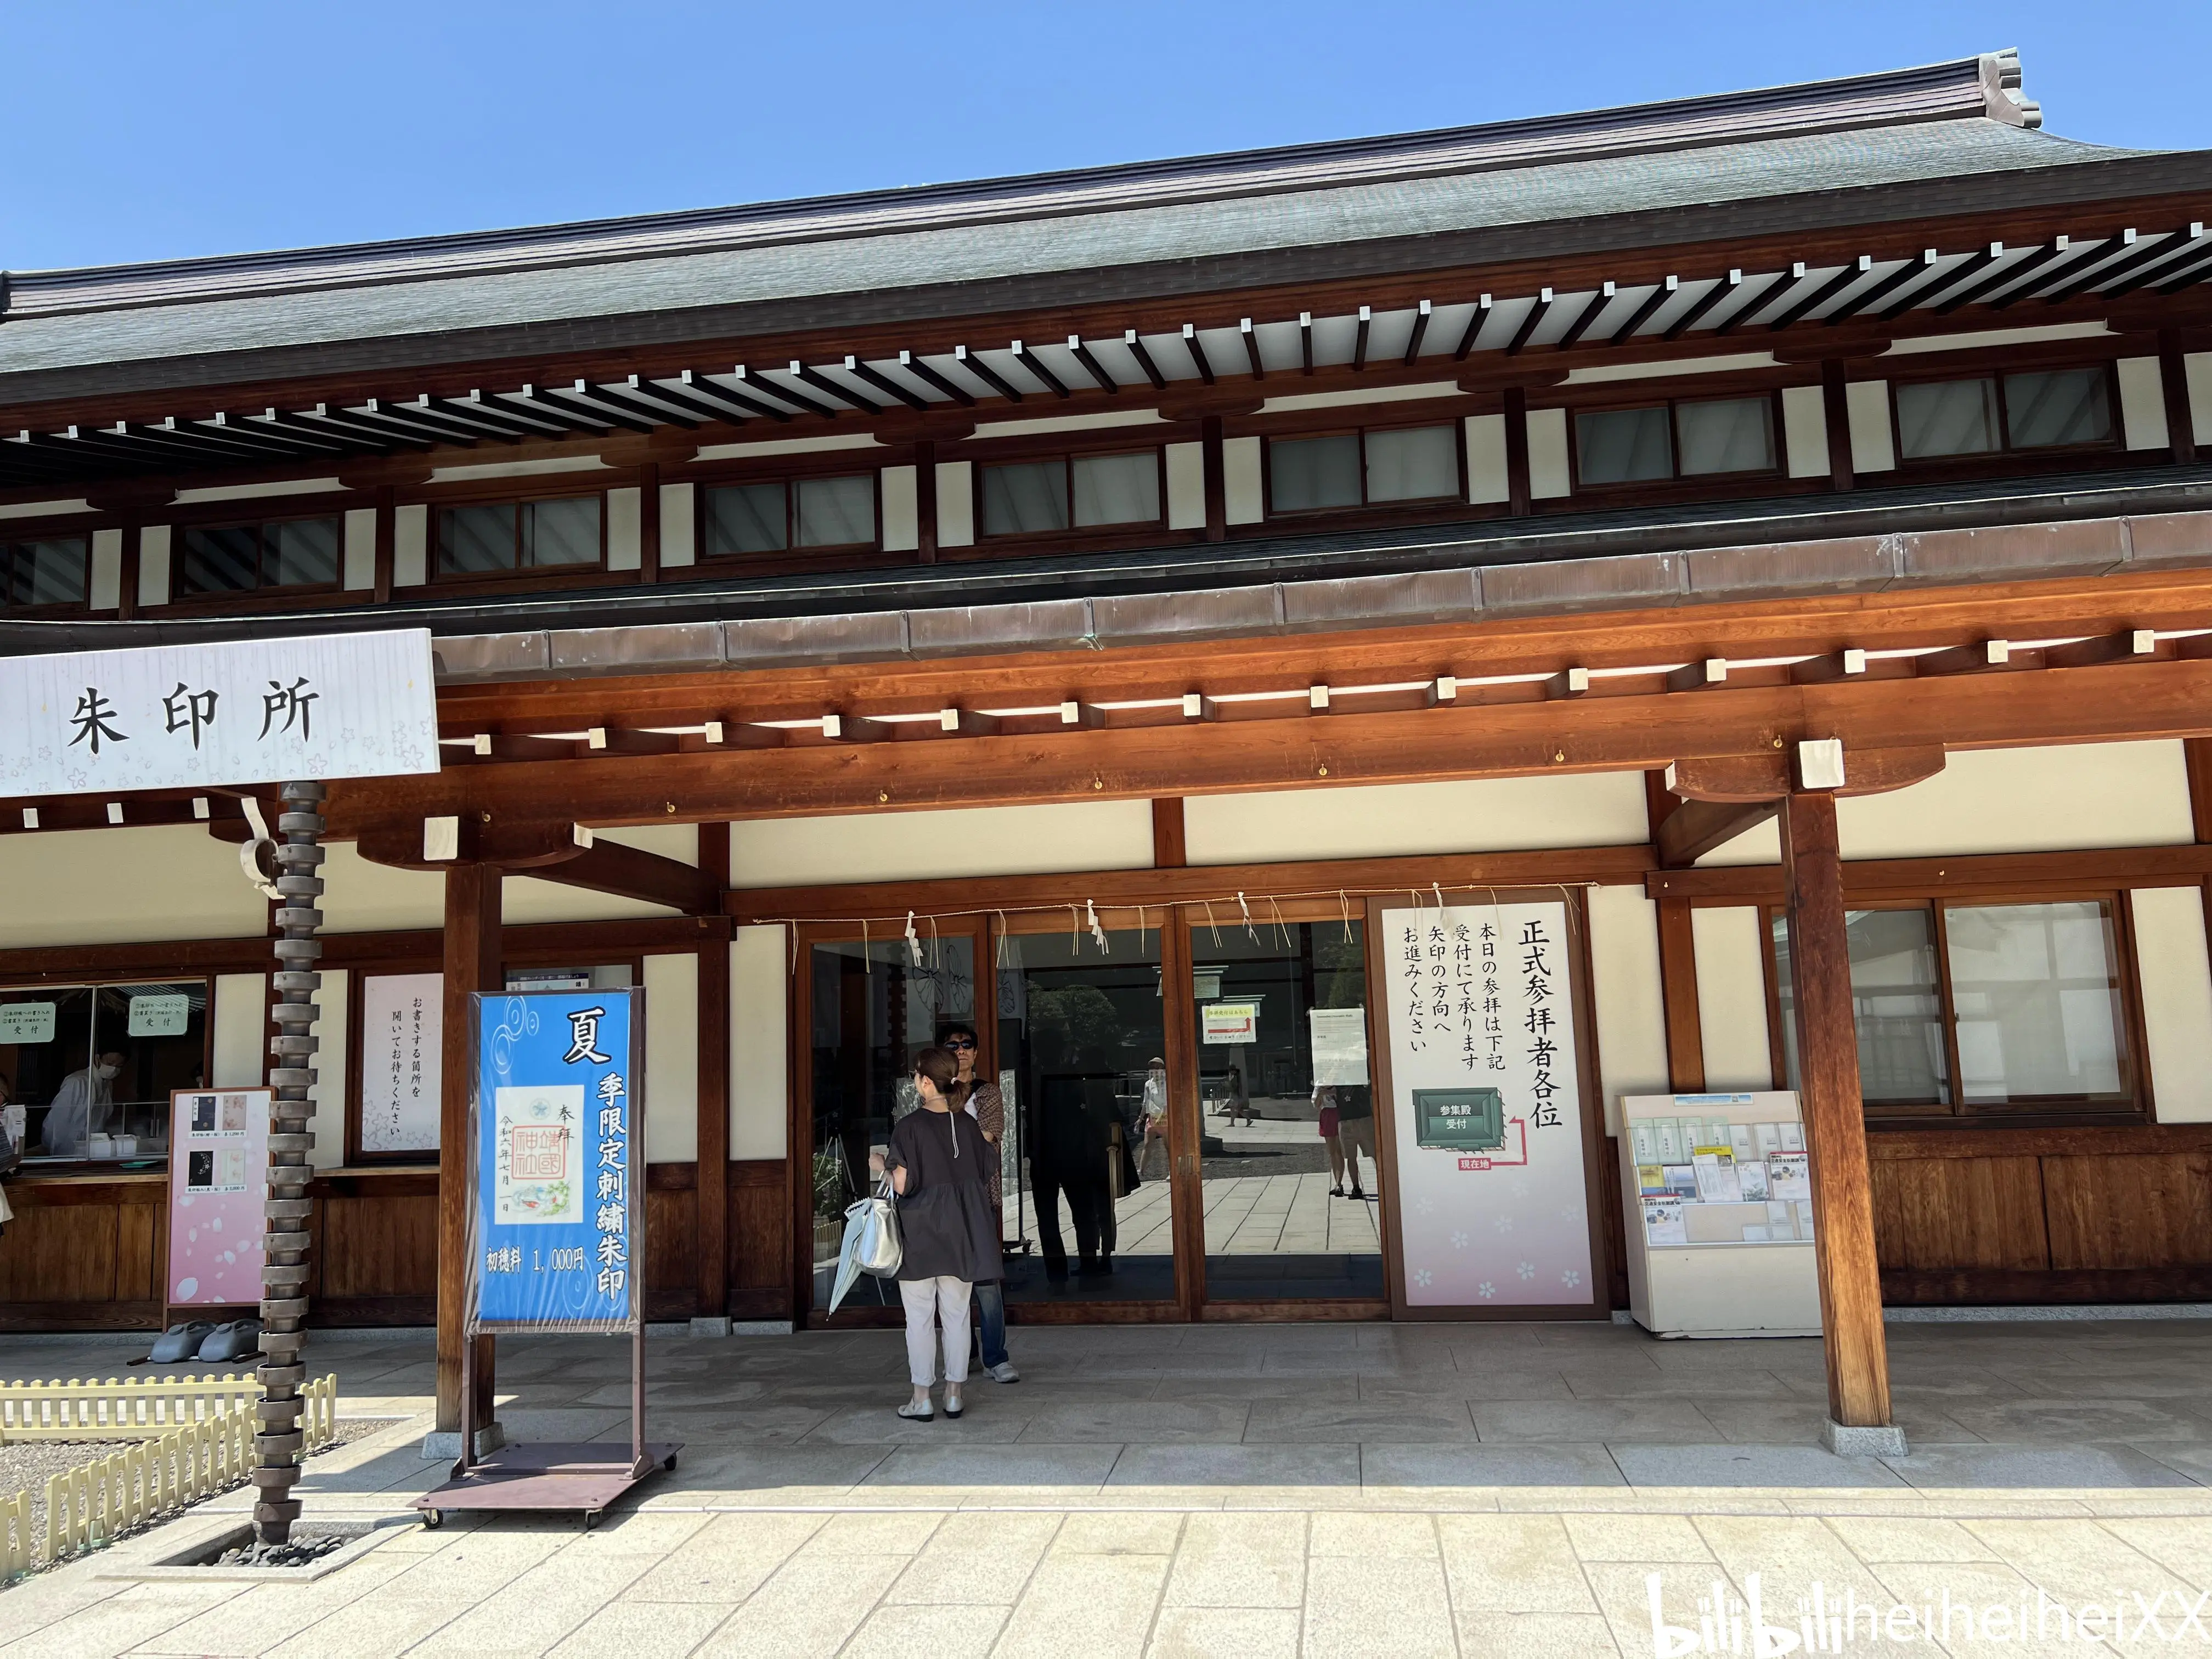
<point x="1246" y="1490"/>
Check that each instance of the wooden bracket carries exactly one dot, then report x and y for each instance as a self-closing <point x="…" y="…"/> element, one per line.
<point x="1696" y="827"/>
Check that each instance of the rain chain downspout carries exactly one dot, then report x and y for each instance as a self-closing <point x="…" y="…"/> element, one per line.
<point x="284" y="1264"/>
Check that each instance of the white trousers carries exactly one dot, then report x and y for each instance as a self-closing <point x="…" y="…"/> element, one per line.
<point x="946" y="1299"/>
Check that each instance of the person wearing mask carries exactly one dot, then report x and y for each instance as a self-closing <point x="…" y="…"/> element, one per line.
<point x="938" y="1162"/>
<point x="81" y="1107"/>
<point x="981" y="1100"/>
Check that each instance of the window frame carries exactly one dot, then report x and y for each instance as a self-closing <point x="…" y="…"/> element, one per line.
<point x="180" y="591"/>
<point x="836" y="463"/>
<point x="1067" y="458"/>
<point x="2112" y="443"/>
<point x="20" y="536"/>
<point x="509" y="497"/>
<point x="2135" y="1103"/>
<point x="1777" y="470"/>
<point x="1454" y="423"/>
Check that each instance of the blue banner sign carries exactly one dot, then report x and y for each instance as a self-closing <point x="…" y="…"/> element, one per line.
<point x="559" y="1215"/>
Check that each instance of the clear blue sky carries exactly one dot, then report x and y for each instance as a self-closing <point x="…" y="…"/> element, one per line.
<point x="141" y="130"/>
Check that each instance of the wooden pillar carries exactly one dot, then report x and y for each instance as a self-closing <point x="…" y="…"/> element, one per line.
<point x="1517" y="496"/>
<point x="1186" y="1193"/>
<point x="387" y="540"/>
<point x="2173" y="386"/>
<point x="1836" y="409"/>
<point x="471" y="963"/>
<point x="126" y="590"/>
<point x="2196" y="757"/>
<point x="925" y="502"/>
<point x="1216" y="479"/>
<point x="1678" y="962"/>
<point x="713" y="1185"/>
<point x="1835" y="1120"/>
<point x="648" y="522"/>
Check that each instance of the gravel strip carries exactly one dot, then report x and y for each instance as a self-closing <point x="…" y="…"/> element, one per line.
<point x="26" y="1464"/>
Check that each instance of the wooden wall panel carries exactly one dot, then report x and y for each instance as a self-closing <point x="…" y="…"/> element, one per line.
<point x="671" y="1218"/>
<point x="380" y="1245"/>
<point x="760" y="1239"/>
<point x="137" y="1229"/>
<point x="60" y="1253"/>
<point x="1959" y="1212"/>
<point x="2149" y="1210"/>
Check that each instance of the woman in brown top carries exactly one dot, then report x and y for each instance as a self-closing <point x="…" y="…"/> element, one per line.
<point x="937" y="1161"/>
<point x="989" y="1107"/>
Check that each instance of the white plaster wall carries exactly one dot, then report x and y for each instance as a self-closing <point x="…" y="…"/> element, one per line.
<point x="2143" y="403"/>
<point x="955" y="504"/>
<point x="367" y="898"/>
<point x="1487" y="477"/>
<point x="359" y="568"/>
<point x="1548" y="453"/>
<point x="760" y="970"/>
<point x="1240" y="480"/>
<point x="120" y="886"/>
<point x="1631" y="1018"/>
<point x="1186" y="486"/>
<point x="1805" y="431"/>
<point x="1731" y="949"/>
<point x="106" y="580"/>
<point x="1873" y="447"/>
<point x="1593" y="809"/>
<point x="410" y="546"/>
<point x="154" y="564"/>
<point x="2176" y="1000"/>
<point x="241" y="1029"/>
<point x="679" y="507"/>
<point x="329" y="1093"/>
<point x="671" y="1059"/>
<point x="979" y="841"/>
<point x="902" y="498"/>
<point x="625" y="529"/>
<point x="2009" y="800"/>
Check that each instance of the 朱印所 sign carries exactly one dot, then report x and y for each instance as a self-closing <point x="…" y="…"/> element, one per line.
<point x="237" y="712"/>
<point x="557" y="1239"/>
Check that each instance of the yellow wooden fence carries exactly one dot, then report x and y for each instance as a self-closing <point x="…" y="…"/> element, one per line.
<point x="131" y="1408"/>
<point x="90" y="1504"/>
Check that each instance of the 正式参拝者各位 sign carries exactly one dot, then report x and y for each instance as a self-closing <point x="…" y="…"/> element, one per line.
<point x="558" y="1236"/>
<point x="1486" y="1101"/>
<point x="236" y="712"/>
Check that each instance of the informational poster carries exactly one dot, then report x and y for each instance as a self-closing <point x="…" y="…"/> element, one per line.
<point x="402" y="1036"/>
<point x="1340" y="1046"/>
<point x="558" y="1222"/>
<point x="218" y="1180"/>
<point x="1230" y="1021"/>
<point x="1487" y="1093"/>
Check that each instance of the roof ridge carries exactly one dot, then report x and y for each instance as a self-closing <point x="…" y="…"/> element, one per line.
<point x="1983" y="86"/>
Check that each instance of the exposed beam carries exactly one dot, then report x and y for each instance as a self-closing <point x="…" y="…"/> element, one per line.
<point x="745" y="397"/>
<point x="2189" y="247"/>
<point x="1973" y="266"/>
<point x="1134" y="345"/>
<point x="1252" y="363"/>
<point x="1996" y="282"/>
<point x="1696" y="827"/>
<point x="1482" y="308"/>
<point x="1806" y="304"/>
<point x="1768" y="286"/>
<point x="1910" y="271"/>
<point x="989" y="375"/>
<point x="1421" y="315"/>
<point x="1725" y="289"/>
<point x="1196" y="347"/>
<point x="608" y="867"/>
<point x="2132" y="251"/>
<point x="870" y="375"/>
<point x="1030" y="360"/>
<point x="1538" y="310"/>
<point x="1587" y="315"/>
<point x="845" y="396"/>
<point x="2183" y="866"/>
<point x="929" y="376"/>
<point x="1092" y="366"/>
<point x="1359" y="341"/>
<point x="632" y="395"/>
<point x="778" y="396"/>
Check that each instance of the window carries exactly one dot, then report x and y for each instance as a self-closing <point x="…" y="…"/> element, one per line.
<point x="48" y="571"/>
<point x="239" y="558"/>
<point x="752" y="518"/>
<point x="475" y="541"/>
<point x="2042" y="410"/>
<point x="1352" y="469"/>
<point x="1082" y="492"/>
<point x="1965" y="1008"/>
<point x="154" y="1035"/>
<point x="1672" y="441"/>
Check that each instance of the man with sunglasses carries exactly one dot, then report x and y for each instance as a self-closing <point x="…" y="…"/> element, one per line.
<point x="989" y="1107"/>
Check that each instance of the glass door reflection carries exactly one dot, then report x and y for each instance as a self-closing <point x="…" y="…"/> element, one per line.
<point x="1287" y="1138"/>
<point x="873" y="1008"/>
<point x="1081" y="1061"/>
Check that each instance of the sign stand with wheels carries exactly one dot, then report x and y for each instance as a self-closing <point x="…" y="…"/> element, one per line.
<point x="556" y="1230"/>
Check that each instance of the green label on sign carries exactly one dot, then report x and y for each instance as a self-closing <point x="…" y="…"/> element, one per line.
<point x="1460" y="1119"/>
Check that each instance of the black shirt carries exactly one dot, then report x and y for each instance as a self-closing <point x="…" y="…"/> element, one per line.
<point x="947" y="1228"/>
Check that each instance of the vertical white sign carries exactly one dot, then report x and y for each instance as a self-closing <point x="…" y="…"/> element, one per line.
<point x="402" y="1036"/>
<point x="1493" y="1203"/>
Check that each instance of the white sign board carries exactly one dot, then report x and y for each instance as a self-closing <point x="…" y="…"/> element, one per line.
<point x="26" y="1022"/>
<point x="402" y="1036"/>
<point x="1340" y="1046"/>
<point x="1494" y="1204"/>
<point x="158" y="1016"/>
<point x="240" y="712"/>
<point x="1230" y="1022"/>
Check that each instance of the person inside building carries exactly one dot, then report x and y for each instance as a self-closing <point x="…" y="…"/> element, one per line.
<point x="81" y="1107"/>
<point x="980" y="1098"/>
<point x="939" y="1163"/>
<point x="1155" y="1128"/>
